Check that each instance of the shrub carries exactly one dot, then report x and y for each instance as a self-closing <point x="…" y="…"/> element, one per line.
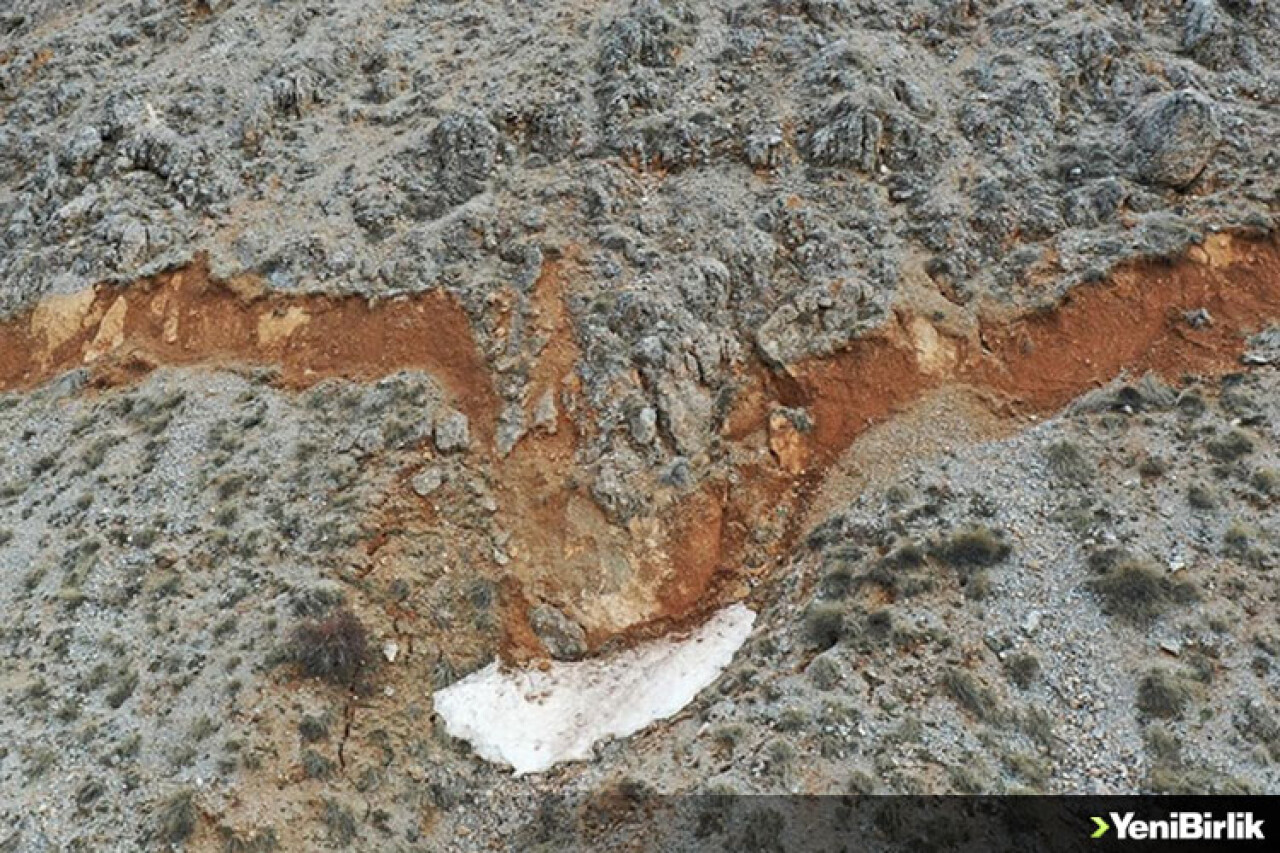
<point x="824" y="672"/>
<point x="122" y="688"/>
<point x="779" y="756"/>
<point x="335" y="649"/>
<point x="1267" y="481"/>
<point x="1231" y="446"/>
<point x="1038" y="724"/>
<point x="972" y="548"/>
<point x="1024" y="669"/>
<point x="1258" y="726"/>
<point x="909" y="555"/>
<point x="258" y="841"/>
<point x="1201" y="497"/>
<point x="1152" y="467"/>
<point x="1163" y="694"/>
<point x="1034" y="770"/>
<point x="970" y="694"/>
<point x="316" y="766"/>
<point x="1068" y="463"/>
<point x="340" y="823"/>
<point x="824" y="625"/>
<point x="978" y="587"/>
<point x="176" y="818"/>
<point x="1164" y="746"/>
<point x="312" y="729"/>
<point x="1137" y="592"/>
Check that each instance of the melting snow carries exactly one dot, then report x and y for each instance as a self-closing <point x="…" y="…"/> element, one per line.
<point x="533" y="719"/>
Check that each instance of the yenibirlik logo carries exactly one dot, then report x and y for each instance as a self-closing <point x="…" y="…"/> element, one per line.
<point x="1183" y="826"/>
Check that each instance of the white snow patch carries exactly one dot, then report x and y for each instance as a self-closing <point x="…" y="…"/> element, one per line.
<point x="533" y="719"/>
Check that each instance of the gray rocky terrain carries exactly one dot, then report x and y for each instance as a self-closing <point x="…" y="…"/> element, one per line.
<point x="741" y="268"/>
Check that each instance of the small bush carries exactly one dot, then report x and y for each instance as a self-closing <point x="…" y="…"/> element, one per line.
<point x="824" y="625"/>
<point x="779" y="756"/>
<point x="1035" y="770"/>
<point x="1195" y="781"/>
<point x="978" y="587"/>
<point x="316" y="766"/>
<point x="1201" y="497"/>
<point x="1163" y="694"/>
<point x="970" y="694"/>
<point x="1152" y="467"/>
<point x="1231" y="446"/>
<point x="825" y="673"/>
<point x="1068" y="463"/>
<point x="1137" y="592"/>
<point x="1258" y="726"/>
<point x="1038" y="724"/>
<point x="335" y="649"/>
<point x="122" y="688"/>
<point x="312" y="729"/>
<point x="259" y="841"/>
<point x="906" y="556"/>
<point x="1164" y="746"/>
<point x="972" y="548"/>
<point x="176" y="818"/>
<point x="340" y="823"/>
<point x="1267" y="481"/>
<point x="1024" y="669"/>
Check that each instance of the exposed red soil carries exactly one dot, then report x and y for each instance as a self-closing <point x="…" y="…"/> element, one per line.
<point x="185" y="317"/>
<point x="700" y="551"/>
<point x="1131" y="323"/>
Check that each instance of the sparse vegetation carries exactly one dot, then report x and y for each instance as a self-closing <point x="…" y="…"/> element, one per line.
<point x="335" y="649"/>
<point x="1201" y="497"/>
<point x="1023" y="669"/>
<point x="340" y="822"/>
<point x="316" y="766"/>
<point x="1163" y="694"/>
<point x="970" y="694"/>
<point x="1069" y="464"/>
<point x="1136" y="591"/>
<point x="824" y="624"/>
<point x="176" y="818"/>
<point x="1230" y="446"/>
<point x="972" y="548"/>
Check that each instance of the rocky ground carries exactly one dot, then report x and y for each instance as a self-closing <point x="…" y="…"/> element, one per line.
<point x="345" y="346"/>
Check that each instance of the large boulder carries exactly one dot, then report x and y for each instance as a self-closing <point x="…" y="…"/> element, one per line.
<point x="1174" y="138"/>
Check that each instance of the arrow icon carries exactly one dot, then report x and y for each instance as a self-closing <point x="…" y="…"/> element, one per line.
<point x="1102" y="825"/>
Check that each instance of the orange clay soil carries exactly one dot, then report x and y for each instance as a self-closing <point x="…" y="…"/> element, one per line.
<point x="185" y="317"/>
<point x="709" y="547"/>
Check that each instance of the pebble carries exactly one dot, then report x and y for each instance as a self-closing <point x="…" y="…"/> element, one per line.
<point x="427" y="481"/>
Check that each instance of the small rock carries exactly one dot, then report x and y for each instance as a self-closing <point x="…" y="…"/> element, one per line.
<point x="1199" y="318"/>
<point x="427" y="481"/>
<point x="390" y="650"/>
<point x="786" y="439"/>
<point x="1174" y="138"/>
<point x="644" y="425"/>
<point x="1264" y="347"/>
<point x="563" y="638"/>
<point x="686" y="410"/>
<point x="544" y="413"/>
<point x="1031" y="623"/>
<point x="452" y="433"/>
